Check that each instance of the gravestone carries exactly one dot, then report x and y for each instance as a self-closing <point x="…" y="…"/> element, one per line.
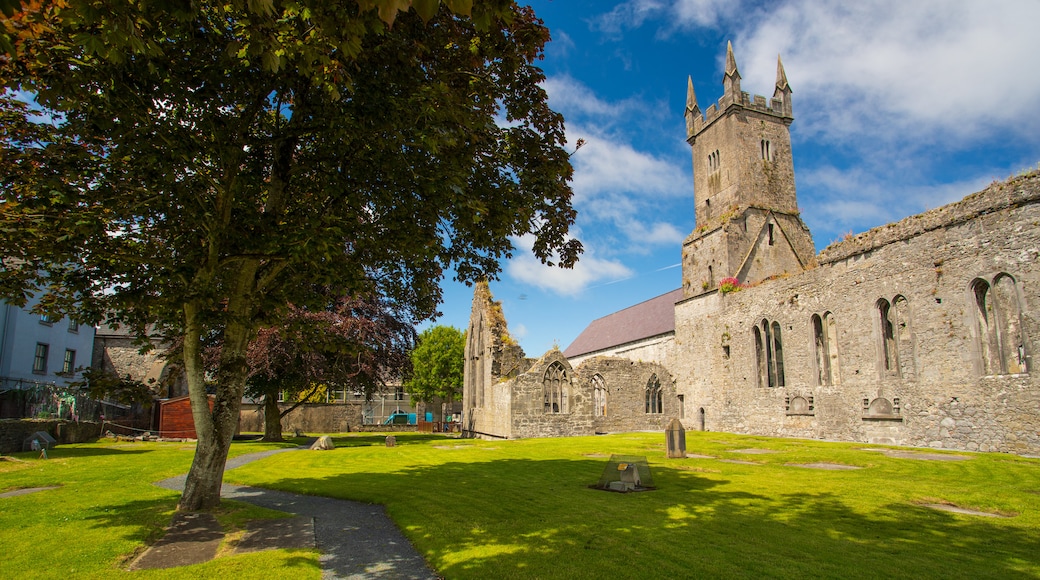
<point x="43" y="440"/>
<point x="625" y="473"/>
<point x="675" y="439"/>
<point x="391" y="441"/>
<point x="324" y="443"/>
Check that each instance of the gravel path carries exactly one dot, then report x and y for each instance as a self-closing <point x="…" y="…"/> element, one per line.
<point x="358" y="541"/>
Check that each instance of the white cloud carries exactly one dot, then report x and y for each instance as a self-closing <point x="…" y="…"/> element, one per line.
<point x="893" y="69"/>
<point x="575" y="100"/>
<point x="618" y="188"/>
<point x="607" y="164"/>
<point x="703" y="13"/>
<point x="525" y="268"/>
<point x="856" y="199"/>
<point x="518" y="331"/>
<point x="627" y="15"/>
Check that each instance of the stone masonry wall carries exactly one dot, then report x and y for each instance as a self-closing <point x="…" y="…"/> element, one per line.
<point x="308" y="418"/>
<point x="15" y="431"/>
<point x="626" y="382"/>
<point x="925" y="264"/>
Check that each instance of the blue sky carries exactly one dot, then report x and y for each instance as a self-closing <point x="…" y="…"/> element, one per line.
<point x="899" y="106"/>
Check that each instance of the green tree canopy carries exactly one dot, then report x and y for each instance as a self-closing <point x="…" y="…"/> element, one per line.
<point x="437" y="363"/>
<point x="202" y="165"/>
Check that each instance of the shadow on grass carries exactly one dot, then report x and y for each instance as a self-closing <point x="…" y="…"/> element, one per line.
<point x="522" y="518"/>
<point x="70" y="452"/>
<point x="141" y="521"/>
<point x="379" y="439"/>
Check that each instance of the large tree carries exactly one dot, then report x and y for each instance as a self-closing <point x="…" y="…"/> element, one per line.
<point x="201" y="165"/>
<point x="437" y="363"/>
<point x="355" y="343"/>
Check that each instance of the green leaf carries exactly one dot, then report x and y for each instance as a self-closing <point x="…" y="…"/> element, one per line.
<point x="426" y="9"/>
<point x="461" y="7"/>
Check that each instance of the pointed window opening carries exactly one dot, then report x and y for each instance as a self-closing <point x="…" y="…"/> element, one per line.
<point x="770" y="228"/>
<point x="904" y="336"/>
<point x="654" y="396"/>
<point x="555" y="389"/>
<point x="599" y="396"/>
<point x="778" y="354"/>
<point x="767" y="153"/>
<point x="1009" y="325"/>
<point x="1001" y="342"/>
<point x="824" y="341"/>
<point x="895" y="344"/>
<point x="887" y="343"/>
<point x="769" y="354"/>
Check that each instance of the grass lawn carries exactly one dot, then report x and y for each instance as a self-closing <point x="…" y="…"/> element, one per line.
<point x="522" y="509"/>
<point x="106" y="509"/>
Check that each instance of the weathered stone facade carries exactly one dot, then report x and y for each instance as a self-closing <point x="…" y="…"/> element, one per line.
<point x="117" y="352"/>
<point x="915" y="333"/>
<point x="914" y="323"/>
<point x="510" y="396"/>
<point x="922" y="332"/>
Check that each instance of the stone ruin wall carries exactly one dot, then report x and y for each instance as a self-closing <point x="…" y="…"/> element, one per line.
<point x="492" y="358"/>
<point x="626" y="381"/>
<point x="930" y="259"/>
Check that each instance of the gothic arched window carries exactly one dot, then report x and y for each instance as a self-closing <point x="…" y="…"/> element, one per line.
<point x="555" y="388"/>
<point x="599" y="396"/>
<point x="654" y="396"/>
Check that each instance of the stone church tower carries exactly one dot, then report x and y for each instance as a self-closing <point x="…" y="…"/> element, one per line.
<point x="748" y="225"/>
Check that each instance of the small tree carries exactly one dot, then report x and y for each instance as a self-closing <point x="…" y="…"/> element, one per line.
<point x="437" y="365"/>
<point x="355" y="344"/>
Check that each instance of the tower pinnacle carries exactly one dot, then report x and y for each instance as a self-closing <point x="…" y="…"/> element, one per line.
<point x="693" y="112"/>
<point x="731" y="80"/>
<point x="731" y="61"/>
<point x="781" y="76"/>
<point x="783" y="91"/>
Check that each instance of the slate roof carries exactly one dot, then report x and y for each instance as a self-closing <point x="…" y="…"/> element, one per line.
<point x="644" y="320"/>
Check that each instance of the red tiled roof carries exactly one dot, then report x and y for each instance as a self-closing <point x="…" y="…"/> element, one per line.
<point x="651" y="318"/>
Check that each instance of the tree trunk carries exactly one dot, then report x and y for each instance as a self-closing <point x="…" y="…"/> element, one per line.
<point x="216" y="428"/>
<point x="272" y="419"/>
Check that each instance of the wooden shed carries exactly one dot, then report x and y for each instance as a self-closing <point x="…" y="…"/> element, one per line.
<point x="175" y="418"/>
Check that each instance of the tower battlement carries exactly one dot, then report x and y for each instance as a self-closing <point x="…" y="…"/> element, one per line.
<point x="779" y="106"/>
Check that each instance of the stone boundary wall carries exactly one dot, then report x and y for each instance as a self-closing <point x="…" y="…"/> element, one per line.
<point x="14" y="432"/>
<point x="308" y="418"/>
<point x="1010" y="194"/>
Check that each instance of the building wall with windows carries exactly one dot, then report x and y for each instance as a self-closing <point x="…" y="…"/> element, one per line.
<point x="36" y="349"/>
<point x="921" y="332"/>
<point x="551" y="397"/>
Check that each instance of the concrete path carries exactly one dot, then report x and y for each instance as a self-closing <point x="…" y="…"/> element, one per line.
<point x="357" y="541"/>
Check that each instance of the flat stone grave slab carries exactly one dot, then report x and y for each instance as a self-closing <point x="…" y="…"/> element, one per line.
<point x="291" y="533"/>
<point x="26" y="491"/>
<point x="926" y="456"/>
<point x="754" y="451"/>
<point x="739" y="461"/>
<point x="825" y="466"/>
<point x="192" y="538"/>
<point x="918" y="455"/>
<point x="959" y="510"/>
<point x="696" y="456"/>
